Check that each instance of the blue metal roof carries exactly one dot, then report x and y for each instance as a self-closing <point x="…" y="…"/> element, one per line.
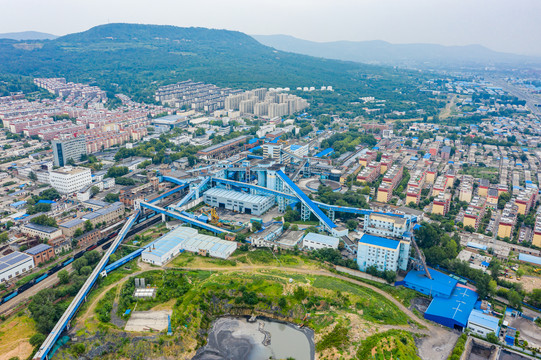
<point x="18" y="203"/>
<point x="454" y="310"/>
<point x="46" y="202"/>
<point x="476" y="245"/>
<point x="439" y="284"/>
<point x="325" y="152"/>
<point x="530" y="258"/>
<point x="379" y="241"/>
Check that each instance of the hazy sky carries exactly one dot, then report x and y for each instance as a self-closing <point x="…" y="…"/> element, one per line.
<point x="504" y="25"/>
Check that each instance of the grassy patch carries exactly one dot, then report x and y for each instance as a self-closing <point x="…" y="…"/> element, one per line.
<point x="392" y="344"/>
<point x="459" y="348"/>
<point x="105" y="306"/>
<point x="489" y="173"/>
<point x="375" y="307"/>
<point x="337" y="338"/>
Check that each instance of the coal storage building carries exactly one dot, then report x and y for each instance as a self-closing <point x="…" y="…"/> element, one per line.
<point x="238" y="201"/>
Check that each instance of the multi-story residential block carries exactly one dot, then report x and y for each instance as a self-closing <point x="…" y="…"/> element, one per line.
<point x="413" y="195"/>
<point x="369" y="173"/>
<point x="393" y="175"/>
<point x="474" y="212"/>
<point x="385" y="192"/>
<point x="386" y="225"/>
<point x="525" y="200"/>
<point x="445" y="152"/>
<point x="450" y="178"/>
<point x="431" y="175"/>
<point x="439" y="186"/>
<point x="68" y="149"/>
<point x="536" y="239"/>
<point x="441" y="203"/>
<point x="466" y="189"/>
<point x="367" y="157"/>
<point x="492" y="198"/>
<point x="69" y="179"/>
<point x="508" y="220"/>
<point x="482" y="190"/>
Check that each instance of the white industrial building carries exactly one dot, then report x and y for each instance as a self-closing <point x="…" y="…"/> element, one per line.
<point x="238" y="201"/>
<point x="15" y="264"/>
<point x="482" y="324"/>
<point x="183" y="238"/>
<point x="313" y="241"/>
<point x="69" y="179"/>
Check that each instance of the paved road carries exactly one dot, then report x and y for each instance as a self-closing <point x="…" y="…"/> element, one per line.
<point x="531" y="100"/>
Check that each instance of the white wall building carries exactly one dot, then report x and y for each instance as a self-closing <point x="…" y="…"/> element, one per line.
<point x="313" y="241"/>
<point x="14" y="264"/>
<point x="483" y="324"/>
<point x="69" y="179"/>
<point x="183" y="238"/>
<point x="379" y="252"/>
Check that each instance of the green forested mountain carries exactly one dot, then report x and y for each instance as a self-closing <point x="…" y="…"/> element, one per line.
<point x="135" y="59"/>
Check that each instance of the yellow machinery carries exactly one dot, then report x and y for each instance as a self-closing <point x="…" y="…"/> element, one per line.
<point x="214" y="218"/>
<point x="213" y="215"/>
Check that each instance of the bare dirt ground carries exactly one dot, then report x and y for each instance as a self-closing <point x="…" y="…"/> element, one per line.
<point x="14" y="336"/>
<point x="528" y="331"/>
<point x="438" y="344"/>
<point x="528" y="282"/>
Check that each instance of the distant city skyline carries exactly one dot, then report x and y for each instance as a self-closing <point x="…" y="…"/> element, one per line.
<point x="501" y="25"/>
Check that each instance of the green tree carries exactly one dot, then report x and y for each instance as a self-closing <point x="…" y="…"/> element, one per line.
<point x="32" y="176"/>
<point x="88" y="226"/>
<point x="43" y="310"/>
<point x="351" y="224"/>
<point x="256" y="226"/>
<point x="4" y="237"/>
<point x="94" y="190"/>
<point x="78" y="232"/>
<point x="492" y="338"/>
<point x="37" y="339"/>
<point x="116" y="171"/>
<point x="63" y="276"/>
<point x="515" y="299"/>
<point x="44" y="220"/>
<point x="192" y="160"/>
<point x="112" y="197"/>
